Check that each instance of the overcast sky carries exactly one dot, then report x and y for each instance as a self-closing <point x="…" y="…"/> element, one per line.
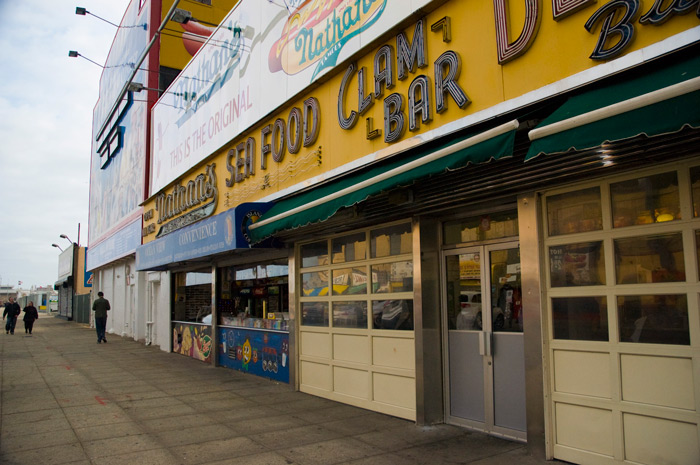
<point x="46" y="107"/>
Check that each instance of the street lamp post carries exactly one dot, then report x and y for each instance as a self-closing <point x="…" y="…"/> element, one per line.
<point x="57" y="246"/>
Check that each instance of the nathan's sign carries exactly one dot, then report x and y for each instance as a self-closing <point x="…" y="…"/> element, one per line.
<point x="315" y="34"/>
<point x="197" y="198"/>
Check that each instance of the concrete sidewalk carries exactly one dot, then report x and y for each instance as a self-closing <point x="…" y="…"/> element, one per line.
<point x="66" y="399"/>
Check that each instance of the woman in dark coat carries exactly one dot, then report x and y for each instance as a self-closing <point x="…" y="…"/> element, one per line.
<point x="30" y="314"/>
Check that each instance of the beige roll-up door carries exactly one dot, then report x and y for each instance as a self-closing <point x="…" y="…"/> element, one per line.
<point x="355" y="319"/>
<point x="621" y="263"/>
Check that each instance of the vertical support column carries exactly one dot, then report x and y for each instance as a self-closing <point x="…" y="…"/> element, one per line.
<point x="293" y="345"/>
<point x="214" y="320"/>
<point x="426" y="309"/>
<point x="530" y="253"/>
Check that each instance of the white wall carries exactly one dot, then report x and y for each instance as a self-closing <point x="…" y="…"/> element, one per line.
<point x="158" y="309"/>
<point x="140" y="303"/>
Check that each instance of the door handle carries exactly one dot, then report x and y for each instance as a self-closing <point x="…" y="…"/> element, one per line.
<point x="485" y="343"/>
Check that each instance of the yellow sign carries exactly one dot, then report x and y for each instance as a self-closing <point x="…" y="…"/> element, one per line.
<point x="453" y="64"/>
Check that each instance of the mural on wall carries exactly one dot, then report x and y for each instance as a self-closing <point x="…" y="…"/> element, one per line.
<point x="193" y="341"/>
<point x="261" y="353"/>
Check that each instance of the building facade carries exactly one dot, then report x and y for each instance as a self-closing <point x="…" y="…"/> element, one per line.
<point x="148" y="51"/>
<point x="482" y="214"/>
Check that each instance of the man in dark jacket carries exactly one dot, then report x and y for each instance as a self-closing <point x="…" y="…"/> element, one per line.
<point x="11" y="312"/>
<point x="101" y="306"/>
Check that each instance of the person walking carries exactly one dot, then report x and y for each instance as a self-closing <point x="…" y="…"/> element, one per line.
<point x="101" y="306"/>
<point x="11" y="312"/>
<point x="30" y="316"/>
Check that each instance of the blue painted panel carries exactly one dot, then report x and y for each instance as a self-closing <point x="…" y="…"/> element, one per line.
<point x="261" y="353"/>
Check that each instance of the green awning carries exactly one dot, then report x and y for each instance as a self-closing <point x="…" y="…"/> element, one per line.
<point x="321" y="203"/>
<point x="660" y="102"/>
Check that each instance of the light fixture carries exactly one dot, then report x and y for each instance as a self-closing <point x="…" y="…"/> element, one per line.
<point x="138" y="87"/>
<point x="181" y="16"/>
<point x="74" y="54"/>
<point x="57" y="246"/>
<point x="79" y="10"/>
<point x="63" y="236"/>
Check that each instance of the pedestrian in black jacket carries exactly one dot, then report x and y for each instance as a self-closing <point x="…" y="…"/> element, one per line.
<point x="11" y="312"/>
<point x="30" y="315"/>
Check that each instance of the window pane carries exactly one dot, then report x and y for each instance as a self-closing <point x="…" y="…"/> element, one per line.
<point x="653" y="199"/>
<point x="350" y="281"/>
<point x="392" y="314"/>
<point x="574" y="212"/>
<point x="315" y="284"/>
<point x="650" y="259"/>
<point x="580" y="318"/>
<point x="654" y="319"/>
<point x="506" y="291"/>
<point x="314" y="313"/>
<point x="463" y="286"/>
<point x="350" y="315"/>
<point x="394" y="240"/>
<point x="392" y="277"/>
<point x="577" y="264"/>
<point x="481" y="228"/>
<point x="315" y="254"/>
<point x="695" y="183"/>
<point x="350" y="248"/>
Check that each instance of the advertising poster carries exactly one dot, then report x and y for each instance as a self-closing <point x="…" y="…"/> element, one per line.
<point x="116" y="186"/>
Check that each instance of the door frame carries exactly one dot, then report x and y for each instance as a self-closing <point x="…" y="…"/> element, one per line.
<point x="488" y="426"/>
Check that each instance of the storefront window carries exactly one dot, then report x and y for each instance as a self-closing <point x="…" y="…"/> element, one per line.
<point x="314" y="254"/>
<point x="577" y="264"/>
<point x="574" y="212"/>
<point x="255" y="296"/>
<point x="350" y="314"/>
<point x="349" y="248"/>
<point x="650" y="259"/>
<point x="344" y="291"/>
<point x="392" y="277"/>
<point x="653" y="199"/>
<point x="390" y="241"/>
<point x="695" y="186"/>
<point x="654" y="319"/>
<point x="314" y="313"/>
<point x="481" y="228"/>
<point x="192" y="302"/>
<point x="580" y="318"/>
<point x="350" y="281"/>
<point x="392" y="314"/>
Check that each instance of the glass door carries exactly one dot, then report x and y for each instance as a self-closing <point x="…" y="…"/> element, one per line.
<point x="484" y="339"/>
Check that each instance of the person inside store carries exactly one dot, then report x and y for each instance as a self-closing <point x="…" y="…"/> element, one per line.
<point x="30" y="316"/>
<point x="100" y="307"/>
<point x="10" y="314"/>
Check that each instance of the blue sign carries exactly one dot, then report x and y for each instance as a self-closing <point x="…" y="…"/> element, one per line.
<point x="221" y="233"/>
<point x="261" y="353"/>
<point x="118" y="245"/>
